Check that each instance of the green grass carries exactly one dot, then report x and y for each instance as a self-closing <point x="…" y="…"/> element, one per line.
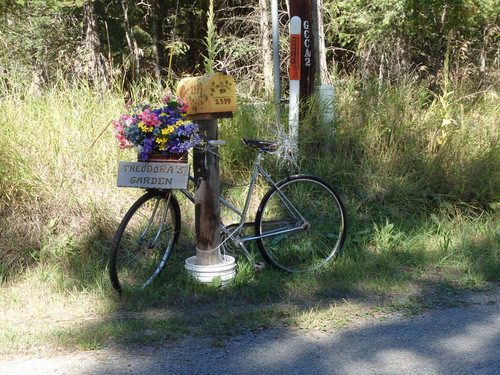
<point x="422" y="198"/>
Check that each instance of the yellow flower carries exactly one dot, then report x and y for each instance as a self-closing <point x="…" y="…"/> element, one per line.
<point x="167" y="130"/>
<point x="144" y="128"/>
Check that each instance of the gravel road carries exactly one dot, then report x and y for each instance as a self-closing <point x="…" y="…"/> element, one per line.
<point x="463" y="340"/>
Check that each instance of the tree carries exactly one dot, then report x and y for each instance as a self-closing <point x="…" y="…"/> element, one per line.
<point x="391" y="39"/>
<point x="265" y="43"/>
<point x="38" y="37"/>
<point x="246" y="48"/>
<point x="135" y="52"/>
<point x="91" y="64"/>
<point x="383" y="39"/>
<point x="321" y="71"/>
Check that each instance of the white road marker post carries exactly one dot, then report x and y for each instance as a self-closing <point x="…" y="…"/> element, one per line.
<point x="294" y="75"/>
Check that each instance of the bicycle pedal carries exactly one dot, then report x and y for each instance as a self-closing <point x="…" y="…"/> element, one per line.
<point x="258" y="266"/>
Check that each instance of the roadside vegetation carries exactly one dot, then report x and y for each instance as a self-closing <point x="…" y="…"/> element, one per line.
<point x="414" y="151"/>
<point x="420" y="177"/>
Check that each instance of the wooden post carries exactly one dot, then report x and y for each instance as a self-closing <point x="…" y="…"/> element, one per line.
<point x="303" y="9"/>
<point x="209" y="98"/>
<point x="207" y="204"/>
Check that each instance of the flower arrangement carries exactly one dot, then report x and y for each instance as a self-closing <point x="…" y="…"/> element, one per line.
<point x="159" y="131"/>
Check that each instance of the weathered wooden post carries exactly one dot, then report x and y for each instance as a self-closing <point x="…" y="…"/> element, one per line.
<point x="209" y="98"/>
<point x="207" y="190"/>
<point x="308" y="72"/>
<point x="303" y="10"/>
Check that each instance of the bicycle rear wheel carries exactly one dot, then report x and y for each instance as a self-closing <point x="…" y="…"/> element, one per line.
<point x="144" y="240"/>
<point x="302" y="222"/>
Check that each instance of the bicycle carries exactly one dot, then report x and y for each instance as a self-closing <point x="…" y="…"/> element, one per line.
<point x="300" y="225"/>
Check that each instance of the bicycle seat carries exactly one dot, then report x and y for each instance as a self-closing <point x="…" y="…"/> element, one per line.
<point x="261" y="145"/>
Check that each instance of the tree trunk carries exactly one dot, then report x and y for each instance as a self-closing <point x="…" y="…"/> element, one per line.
<point x="482" y="58"/>
<point x="93" y="63"/>
<point x="438" y="56"/>
<point x="131" y="42"/>
<point x="319" y="43"/>
<point x="156" y="55"/>
<point x="265" y="42"/>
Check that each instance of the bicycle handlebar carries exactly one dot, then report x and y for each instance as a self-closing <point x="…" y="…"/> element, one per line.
<point x="217" y="143"/>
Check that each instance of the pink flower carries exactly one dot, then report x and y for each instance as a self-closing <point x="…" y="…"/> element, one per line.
<point x="123" y="121"/>
<point x="166" y="99"/>
<point x="118" y="127"/>
<point x="123" y="143"/>
<point x="150" y="119"/>
<point x="183" y="105"/>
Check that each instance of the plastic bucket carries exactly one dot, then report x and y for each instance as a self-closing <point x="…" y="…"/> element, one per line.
<point x="205" y="274"/>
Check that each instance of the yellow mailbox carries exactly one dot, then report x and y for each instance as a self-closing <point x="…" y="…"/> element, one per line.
<point x="210" y="94"/>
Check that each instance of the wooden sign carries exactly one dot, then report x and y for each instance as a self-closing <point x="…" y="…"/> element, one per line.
<point x="213" y="93"/>
<point x="153" y="175"/>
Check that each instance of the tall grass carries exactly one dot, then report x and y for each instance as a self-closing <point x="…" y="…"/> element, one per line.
<point x="59" y="203"/>
<point x="420" y="178"/>
<point x="404" y="154"/>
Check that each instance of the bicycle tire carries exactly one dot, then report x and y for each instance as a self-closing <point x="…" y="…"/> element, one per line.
<point x="142" y="245"/>
<point x="324" y="227"/>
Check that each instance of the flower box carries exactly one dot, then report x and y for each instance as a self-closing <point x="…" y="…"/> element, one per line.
<point x="162" y="138"/>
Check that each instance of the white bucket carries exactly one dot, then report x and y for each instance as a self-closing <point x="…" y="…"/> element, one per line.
<point x="205" y="274"/>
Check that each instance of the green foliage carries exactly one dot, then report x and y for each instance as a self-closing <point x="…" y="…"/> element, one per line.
<point x="37" y="38"/>
<point x="390" y="151"/>
<point x="43" y="40"/>
<point x="393" y="38"/>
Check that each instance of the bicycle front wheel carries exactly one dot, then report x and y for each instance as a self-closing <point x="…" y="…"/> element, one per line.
<point x="301" y="224"/>
<point x="144" y="240"/>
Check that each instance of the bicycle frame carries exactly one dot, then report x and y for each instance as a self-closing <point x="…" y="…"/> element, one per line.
<point x="235" y="235"/>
